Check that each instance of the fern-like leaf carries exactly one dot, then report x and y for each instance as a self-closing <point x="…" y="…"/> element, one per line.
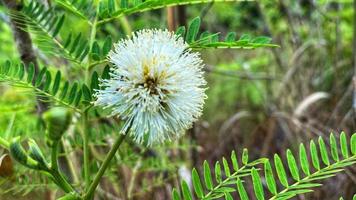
<point x="107" y="12"/>
<point x="211" y="40"/>
<point x="322" y="168"/>
<point x="46" y="25"/>
<point x="69" y="95"/>
<point x="225" y="181"/>
<point x="83" y="8"/>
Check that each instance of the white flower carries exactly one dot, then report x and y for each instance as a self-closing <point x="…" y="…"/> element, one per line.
<point x="156" y="84"/>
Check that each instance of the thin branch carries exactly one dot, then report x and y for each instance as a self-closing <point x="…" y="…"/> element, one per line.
<point x="241" y="75"/>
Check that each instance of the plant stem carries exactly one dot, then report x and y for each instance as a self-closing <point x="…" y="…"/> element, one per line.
<point x="125" y="25"/>
<point x="104" y="166"/>
<point x="54" y="171"/>
<point x="86" y="150"/>
<point x="70" y="164"/>
<point x="61" y="181"/>
<point x="54" y="156"/>
<point x="86" y="132"/>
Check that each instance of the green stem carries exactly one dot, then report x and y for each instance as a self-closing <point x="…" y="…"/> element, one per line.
<point x="125" y="25"/>
<point x="86" y="150"/>
<point x="233" y="176"/>
<point x="104" y="166"/>
<point x="54" y="171"/>
<point x="54" y="156"/>
<point x="4" y="143"/>
<point x="70" y="164"/>
<point x="91" y="41"/>
<point x="61" y="181"/>
<point x="86" y="132"/>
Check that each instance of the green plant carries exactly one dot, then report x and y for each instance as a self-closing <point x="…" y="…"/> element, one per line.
<point x="72" y="108"/>
<point x="299" y="179"/>
<point x="84" y="53"/>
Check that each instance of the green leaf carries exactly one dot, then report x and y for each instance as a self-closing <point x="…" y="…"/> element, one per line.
<point x="78" y="97"/>
<point x="193" y="30"/>
<point x="81" y="49"/>
<point x="36" y="154"/>
<point x="245" y="156"/>
<point x="64" y="90"/>
<point x="197" y="184"/>
<point x="207" y="176"/>
<point x="124" y="3"/>
<point x="228" y="196"/>
<point x="226" y="167"/>
<point x="56" y="83"/>
<point x="111" y="6"/>
<point x="73" y="93"/>
<point x="94" y="81"/>
<point x="84" y="54"/>
<point x="235" y="163"/>
<point x="303" y="159"/>
<point x="187" y="195"/>
<point x="225" y="189"/>
<point x="292" y="164"/>
<point x="107" y="45"/>
<point x="205" y="37"/>
<point x="106" y="72"/>
<point x="218" y="172"/>
<point x="334" y="148"/>
<point x="180" y="31"/>
<point x="86" y="93"/>
<point x="230" y="37"/>
<point x="257" y="184"/>
<point x="241" y="190"/>
<point x="95" y="51"/>
<point x="261" y="40"/>
<point x="353" y="144"/>
<point x="323" y="152"/>
<point x="280" y="170"/>
<point x="314" y="155"/>
<point x="21" y="73"/>
<point x="48" y="81"/>
<point x="245" y="37"/>
<point x="271" y="183"/>
<point x="40" y="76"/>
<point x="175" y="195"/>
<point x="75" y="43"/>
<point x="68" y="40"/>
<point x="58" y="26"/>
<point x="6" y="68"/>
<point x="30" y="72"/>
<point x="343" y="143"/>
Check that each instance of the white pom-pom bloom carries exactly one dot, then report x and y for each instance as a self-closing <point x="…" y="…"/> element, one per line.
<point x="156" y="85"/>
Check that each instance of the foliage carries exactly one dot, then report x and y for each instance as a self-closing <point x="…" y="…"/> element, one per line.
<point x="72" y="39"/>
<point x="71" y="95"/>
<point x="323" y="168"/>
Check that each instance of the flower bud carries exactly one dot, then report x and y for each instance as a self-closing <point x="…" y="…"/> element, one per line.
<point x="57" y="121"/>
<point x="36" y="154"/>
<point x="20" y="155"/>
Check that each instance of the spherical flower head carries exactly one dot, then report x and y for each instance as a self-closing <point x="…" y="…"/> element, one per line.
<point x="156" y="84"/>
